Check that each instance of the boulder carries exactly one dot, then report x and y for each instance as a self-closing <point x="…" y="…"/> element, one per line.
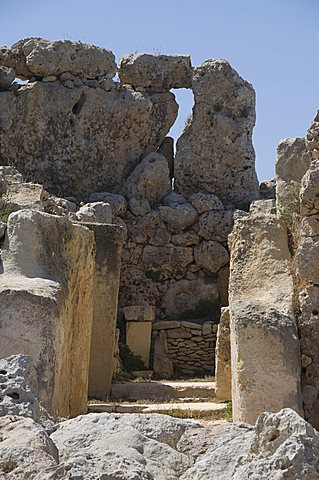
<point x="265" y="349"/>
<point x="117" y="202"/>
<point x="216" y="225"/>
<point x="158" y="73"/>
<point x="263" y="206"/>
<point x="178" y="216"/>
<point x="37" y="57"/>
<point x="292" y="162"/>
<point x="97" y="212"/>
<point x="149" y="180"/>
<point x="215" y="153"/>
<point x="211" y="256"/>
<point x="26" y="450"/>
<point x="205" y="202"/>
<point x="81" y="140"/>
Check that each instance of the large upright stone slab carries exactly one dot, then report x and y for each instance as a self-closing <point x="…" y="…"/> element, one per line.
<point x="46" y="305"/>
<point x="139" y="330"/>
<point x="265" y="350"/>
<point x="215" y="153"/>
<point x="81" y="140"/>
<point x="223" y="358"/>
<point x="108" y="241"/>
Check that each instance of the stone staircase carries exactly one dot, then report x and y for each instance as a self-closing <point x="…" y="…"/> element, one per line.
<point x="180" y="399"/>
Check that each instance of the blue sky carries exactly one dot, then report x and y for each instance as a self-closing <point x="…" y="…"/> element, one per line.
<point x="272" y="44"/>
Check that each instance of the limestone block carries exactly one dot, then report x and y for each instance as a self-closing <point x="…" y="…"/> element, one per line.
<point x="178" y="333"/>
<point x="306" y="268"/>
<point x="215" y="153"/>
<point x="216" y="225"/>
<point x="46" y="305"/>
<point x="20" y="196"/>
<point x="186" y="295"/>
<point x="309" y="190"/>
<point x="211" y="256"/>
<point x="138" y="338"/>
<point x="265" y="350"/>
<point x="267" y="189"/>
<point x="149" y="180"/>
<point x="7" y="75"/>
<point x="162" y="364"/>
<point x="106" y="278"/>
<point x="292" y="162"/>
<point x="138" y="313"/>
<point x="223" y="285"/>
<point x="98" y="212"/>
<point x="166" y="324"/>
<point x="169" y="259"/>
<point x="263" y="206"/>
<point x="185" y="239"/>
<point x="41" y="58"/>
<point x="312" y="138"/>
<point x="80" y="140"/>
<point x="223" y="358"/>
<point x="190" y="325"/>
<point x="156" y="72"/>
<point x="117" y="202"/>
<point x="178" y="216"/>
<point x="204" y="202"/>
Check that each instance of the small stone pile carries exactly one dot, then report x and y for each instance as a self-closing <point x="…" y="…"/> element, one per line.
<point x="190" y="346"/>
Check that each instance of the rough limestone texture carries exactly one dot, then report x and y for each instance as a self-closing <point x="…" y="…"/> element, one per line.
<point x="223" y="358"/>
<point x="215" y="153"/>
<point x="292" y="162"/>
<point x="265" y="350"/>
<point x="306" y="232"/>
<point x="16" y="397"/>
<point x="46" y="305"/>
<point x="282" y="446"/>
<point x="26" y="450"/>
<point x="7" y="75"/>
<point x="157" y="73"/>
<point x="149" y="180"/>
<point x="84" y="139"/>
<point x="106" y="277"/>
<point x="37" y="57"/>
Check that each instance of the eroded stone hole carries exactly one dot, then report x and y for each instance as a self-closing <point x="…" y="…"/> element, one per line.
<point x="79" y="105"/>
<point x="14" y="395"/>
<point x="3" y="372"/>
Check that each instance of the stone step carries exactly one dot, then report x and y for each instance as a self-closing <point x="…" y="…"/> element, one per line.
<point x="162" y="391"/>
<point x="184" y="410"/>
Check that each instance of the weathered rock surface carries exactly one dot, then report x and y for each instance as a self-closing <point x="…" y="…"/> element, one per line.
<point x="149" y="180"/>
<point x="158" y="73"/>
<point x="292" y="162"/>
<point x="266" y="363"/>
<point x="7" y="75"/>
<point x="77" y="141"/>
<point x="162" y="364"/>
<point x="26" y="450"/>
<point x="223" y="358"/>
<point x="211" y="256"/>
<point x="41" y="58"/>
<point x="215" y="153"/>
<point x="16" y="396"/>
<point x="97" y="212"/>
<point x="46" y="305"/>
<point x="267" y="189"/>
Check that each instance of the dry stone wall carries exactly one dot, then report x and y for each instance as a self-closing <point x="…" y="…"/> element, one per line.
<point x="189" y="346"/>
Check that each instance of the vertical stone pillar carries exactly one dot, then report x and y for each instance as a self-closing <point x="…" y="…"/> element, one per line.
<point x="265" y="349"/>
<point x="223" y="362"/>
<point x="139" y="330"/>
<point x="109" y="242"/>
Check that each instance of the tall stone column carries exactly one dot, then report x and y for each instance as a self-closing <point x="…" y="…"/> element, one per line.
<point x="109" y="242"/>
